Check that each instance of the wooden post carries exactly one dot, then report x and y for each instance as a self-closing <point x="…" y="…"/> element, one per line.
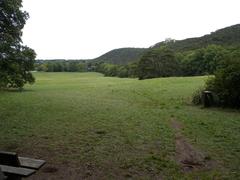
<point x="207" y="98"/>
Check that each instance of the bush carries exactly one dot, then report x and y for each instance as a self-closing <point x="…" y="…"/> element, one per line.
<point x="226" y="83"/>
<point x="197" y="96"/>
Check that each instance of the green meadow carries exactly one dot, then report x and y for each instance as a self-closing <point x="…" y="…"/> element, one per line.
<point x="87" y="126"/>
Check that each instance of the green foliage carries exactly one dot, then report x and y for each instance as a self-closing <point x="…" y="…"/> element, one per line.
<point x="164" y="62"/>
<point x="122" y="71"/>
<point x="158" y="63"/>
<point x="202" y="61"/>
<point x="226" y="82"/>
<point x="62" y="66"/>
<point x="16" y="60"/>
<point x="197" y="96"/>
<point x="132" y="69"/>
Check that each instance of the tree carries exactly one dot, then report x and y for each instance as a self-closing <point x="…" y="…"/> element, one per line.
<point x="16" y="60"/>
<point x="203" y="61"/>
<point x="158" y="63"/>
<point x="122" y="71"/>
<point x="213" y="55"/>
<point x="193" y="63"/>
<point x="132" y="69"/>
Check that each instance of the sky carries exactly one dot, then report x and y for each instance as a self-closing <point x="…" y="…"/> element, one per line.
<point x="86" y="29"/>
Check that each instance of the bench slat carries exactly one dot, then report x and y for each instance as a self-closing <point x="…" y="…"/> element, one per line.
<point x="23" y="172"/>
<point x="31" y="163"/>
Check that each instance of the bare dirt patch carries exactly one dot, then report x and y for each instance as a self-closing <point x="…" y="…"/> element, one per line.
<point x="67" y="170"/>
<point x="188" y="157"/>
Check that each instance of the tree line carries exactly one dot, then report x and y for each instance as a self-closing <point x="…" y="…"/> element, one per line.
<point x="63" y="66"/>
<point x="163" y="62"/>
<point x="156" y="62"/>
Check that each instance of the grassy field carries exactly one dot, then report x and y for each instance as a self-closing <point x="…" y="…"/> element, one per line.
<point x="87" y="126"/>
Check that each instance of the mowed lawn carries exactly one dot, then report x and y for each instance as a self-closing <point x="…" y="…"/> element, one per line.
<point x="87" y="126"/>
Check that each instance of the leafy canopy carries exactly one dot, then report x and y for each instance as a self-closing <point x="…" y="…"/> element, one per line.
<point x="16" y="60"/>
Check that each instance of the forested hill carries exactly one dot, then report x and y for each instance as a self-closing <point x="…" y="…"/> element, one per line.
<point x="121" y="56"/>
<point x="229" y="36"/>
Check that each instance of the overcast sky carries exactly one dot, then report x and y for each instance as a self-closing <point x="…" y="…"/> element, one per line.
<point x="84" y="29"/>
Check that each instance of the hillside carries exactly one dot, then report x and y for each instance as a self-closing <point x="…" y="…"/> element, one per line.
<point x="121" y="56"/>
<point x="229" y="36"/>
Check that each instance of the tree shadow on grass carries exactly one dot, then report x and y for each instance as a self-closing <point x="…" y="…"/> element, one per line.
<point x="15" y="90"/>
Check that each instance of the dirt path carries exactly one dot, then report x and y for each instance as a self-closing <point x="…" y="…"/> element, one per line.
<point x="188" y="157"/>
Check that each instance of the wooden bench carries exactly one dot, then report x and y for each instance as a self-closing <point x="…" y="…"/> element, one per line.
<point x="15" y="167"/>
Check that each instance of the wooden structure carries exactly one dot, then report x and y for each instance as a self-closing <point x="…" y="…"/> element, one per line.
<point x="14" y="167"/>
<point x="207" y="98"/>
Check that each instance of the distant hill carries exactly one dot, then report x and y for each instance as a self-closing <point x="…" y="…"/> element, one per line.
<point x="229" y="36"/>
<point x="121" y="56"/>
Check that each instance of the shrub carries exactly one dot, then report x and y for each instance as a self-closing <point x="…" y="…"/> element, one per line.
<point x="226" y="83"/>
<point x="197" y="96"/>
